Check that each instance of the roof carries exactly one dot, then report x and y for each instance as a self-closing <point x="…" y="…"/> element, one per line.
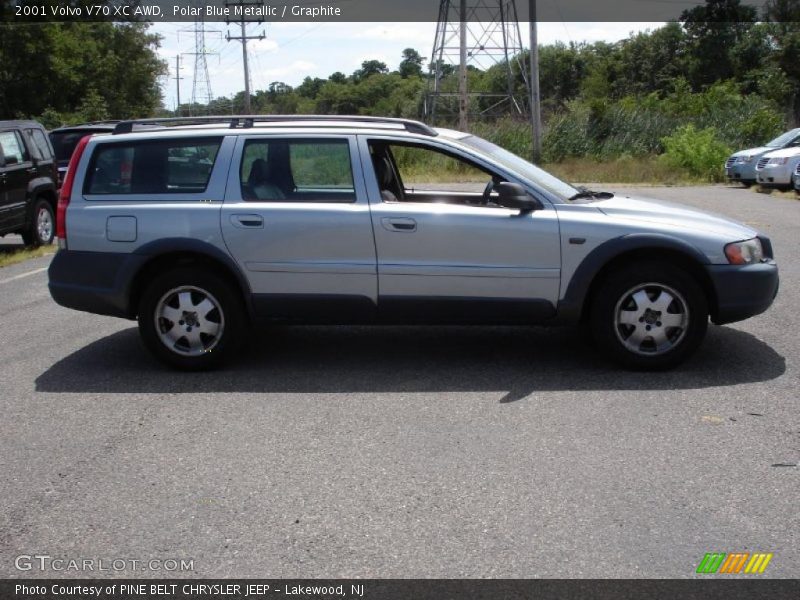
<point x="96" y="126"/>
<point x="21" y="123"/>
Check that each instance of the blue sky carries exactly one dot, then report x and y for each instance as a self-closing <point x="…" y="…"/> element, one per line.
<point x="292" y="51"/>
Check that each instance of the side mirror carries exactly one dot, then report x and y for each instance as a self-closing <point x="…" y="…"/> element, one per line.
<point x="513" y="195"/>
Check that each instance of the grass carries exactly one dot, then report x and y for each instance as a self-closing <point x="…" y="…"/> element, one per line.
<point x="649" y="170"/>
<point x="788" y="194"/>
<point x="17" y="254"/>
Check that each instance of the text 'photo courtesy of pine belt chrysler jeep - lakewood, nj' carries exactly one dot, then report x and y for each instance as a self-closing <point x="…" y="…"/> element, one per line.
<point x="200" y="227"/>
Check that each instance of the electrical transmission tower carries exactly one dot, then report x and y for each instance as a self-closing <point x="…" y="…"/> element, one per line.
<point x="482" y="34"/>
<point x="201" y="81"/>
<point x="243" y="4"/>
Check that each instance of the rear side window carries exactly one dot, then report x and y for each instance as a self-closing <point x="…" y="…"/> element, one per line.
<point x="180" y="166"/>
<point x="304" y="170"/>
<point x="39" y="144"/>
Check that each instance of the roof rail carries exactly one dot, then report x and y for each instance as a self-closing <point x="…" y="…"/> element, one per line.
<point x="247" y="121"/>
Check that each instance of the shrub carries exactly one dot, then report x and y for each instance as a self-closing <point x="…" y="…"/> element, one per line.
<point x="699" y="151"/>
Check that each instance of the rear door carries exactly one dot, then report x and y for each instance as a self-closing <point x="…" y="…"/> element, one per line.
<point x="296" y="219"/>
<point x="18" y="171"/>
<point x="42" y="153"/>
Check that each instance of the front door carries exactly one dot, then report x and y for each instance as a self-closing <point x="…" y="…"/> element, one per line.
<point x="16" y="173"/>
<point x="446" y="250"/>
<point x="296" y="219"/>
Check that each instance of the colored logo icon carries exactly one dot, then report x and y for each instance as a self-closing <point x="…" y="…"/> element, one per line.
<point x="735" y="562"/>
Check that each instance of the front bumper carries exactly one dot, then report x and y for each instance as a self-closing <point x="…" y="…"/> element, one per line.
<point x="741" y="172"/>
<point x="775" y="175"/>
<point x="742" y="291"/>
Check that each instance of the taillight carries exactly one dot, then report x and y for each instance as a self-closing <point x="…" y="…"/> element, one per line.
<point x="66" y="192"/>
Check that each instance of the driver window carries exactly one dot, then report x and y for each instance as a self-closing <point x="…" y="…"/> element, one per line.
<point x="417" y="173"/>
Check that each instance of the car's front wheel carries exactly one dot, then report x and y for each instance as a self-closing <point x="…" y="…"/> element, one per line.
<point x="649" y="315"/>
<point x="191" y="318"/>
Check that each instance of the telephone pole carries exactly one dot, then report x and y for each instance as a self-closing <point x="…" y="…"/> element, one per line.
<point x="244" y="38"/>
<point x="463" y="98"/>
<point x="177" y="79"/>
<point x="536" y="109"/>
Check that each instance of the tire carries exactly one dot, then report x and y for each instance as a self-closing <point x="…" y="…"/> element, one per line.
<point x="43" y="225"/>
<point x="649" y="315"/>
<point x="191" y="318"/>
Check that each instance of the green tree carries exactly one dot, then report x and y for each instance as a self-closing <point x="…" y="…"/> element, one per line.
<point x="411" y="65"/>
<point x="368" y="68"/>
<point x="55" y="65"/>
<point x="784" y="29"/>
<point x="712" y="31"/>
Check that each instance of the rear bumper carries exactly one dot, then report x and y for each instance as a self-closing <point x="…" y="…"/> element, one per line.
<point x="742" y="291"/>
<point x="95" y="282"/>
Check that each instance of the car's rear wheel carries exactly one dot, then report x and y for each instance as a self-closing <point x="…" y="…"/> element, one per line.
<point x="191" y="318"/>
<point x="42" y="228"/>
<point x="649" y="315"/>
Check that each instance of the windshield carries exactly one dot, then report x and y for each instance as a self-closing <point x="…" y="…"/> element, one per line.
<point x="521" y="166"/>
<point x="782" y="140"/>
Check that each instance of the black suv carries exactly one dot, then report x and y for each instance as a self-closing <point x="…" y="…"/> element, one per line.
<point x="64" y="140"/>
<point x="28" y="182"/>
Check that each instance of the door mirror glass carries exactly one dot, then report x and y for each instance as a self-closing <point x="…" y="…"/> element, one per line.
<point x="513" y="195"/>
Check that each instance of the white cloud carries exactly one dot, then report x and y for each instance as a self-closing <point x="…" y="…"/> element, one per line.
<point x="403" y="32"/>
<point x="299" y="68"/>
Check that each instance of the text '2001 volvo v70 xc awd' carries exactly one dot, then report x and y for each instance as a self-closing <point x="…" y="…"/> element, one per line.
<point x="197" y="227"/>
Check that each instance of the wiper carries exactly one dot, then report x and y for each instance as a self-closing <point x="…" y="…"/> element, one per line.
<point x="584" y="193"/>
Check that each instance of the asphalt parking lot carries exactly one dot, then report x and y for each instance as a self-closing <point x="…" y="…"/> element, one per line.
<point x="391" y="452"/>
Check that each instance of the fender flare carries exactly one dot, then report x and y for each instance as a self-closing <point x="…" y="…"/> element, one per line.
<point x="41" y="184"/>
<point x="153" y="250"/>
<point x="571" y="304"/>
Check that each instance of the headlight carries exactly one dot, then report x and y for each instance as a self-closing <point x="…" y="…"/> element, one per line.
<point x="779" y="161"/>
<point x="744" y="253"/>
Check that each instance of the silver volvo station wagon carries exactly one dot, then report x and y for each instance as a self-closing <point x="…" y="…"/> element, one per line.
<point x="199" y="227"/>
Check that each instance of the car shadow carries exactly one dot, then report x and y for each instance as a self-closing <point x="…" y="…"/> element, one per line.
<point x="517" y="361"/>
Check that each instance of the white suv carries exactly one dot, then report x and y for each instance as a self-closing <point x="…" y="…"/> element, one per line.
<point x="199" y="228"/>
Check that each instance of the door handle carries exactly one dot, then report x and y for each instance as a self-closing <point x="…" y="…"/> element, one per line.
<point x="31" y="170"/>
<point x="247" y="221"/>
<point x="401" y="224"/>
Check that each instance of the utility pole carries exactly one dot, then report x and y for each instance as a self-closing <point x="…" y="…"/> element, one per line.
<point x="463" y="98"/>
<point x="177" y="79"/>
<point x="536" y="109"/>
<point x="244" y="38"/>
